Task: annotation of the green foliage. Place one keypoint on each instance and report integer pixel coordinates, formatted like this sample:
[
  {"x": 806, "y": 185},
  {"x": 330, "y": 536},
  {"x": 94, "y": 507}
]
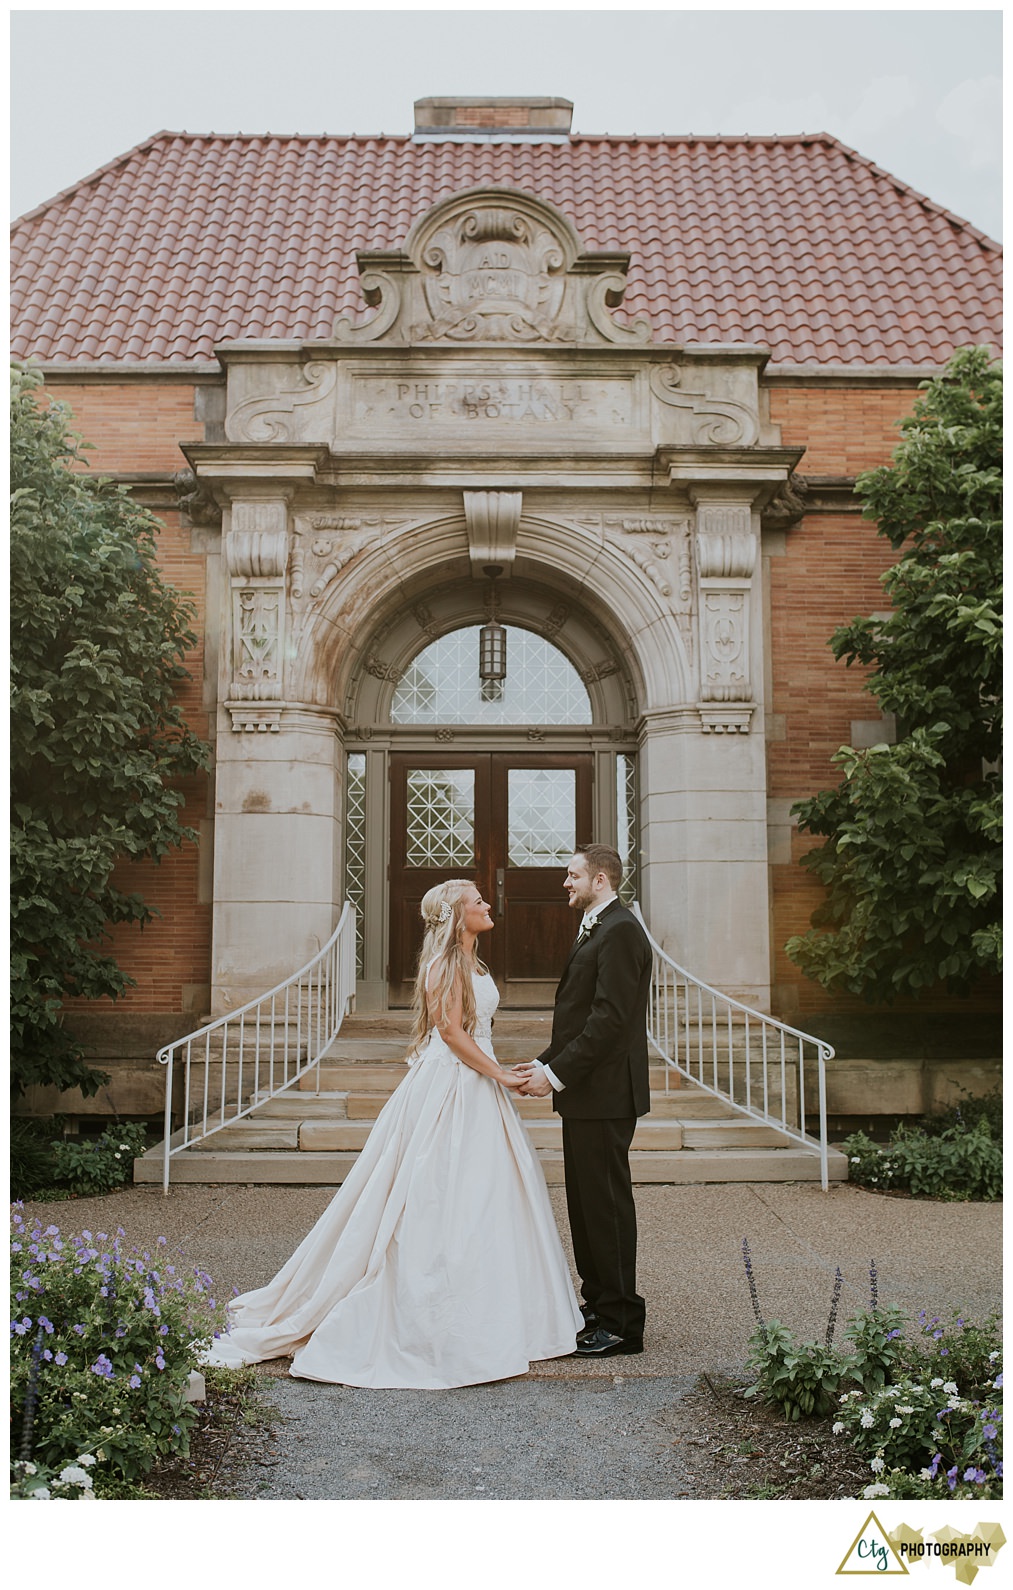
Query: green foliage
[
  {"x": 801, "y": 1378},
  {"x": 926, "y": 1409},
  {"x": 969, "y": 1110},
  {"x": 68, "y": 1482},
  {"x": 911, "y": 857},
  {"x": 31, "y": 1156},
  {"x": 97, "y": 736},
  {"x": 959, "y": 1349},
  {"x": 103, "y": 1344},
  {"x": 93, "y": 1165},
  {"x": 953, "y": 1164},
  {"x": 877, "y": 1336}
]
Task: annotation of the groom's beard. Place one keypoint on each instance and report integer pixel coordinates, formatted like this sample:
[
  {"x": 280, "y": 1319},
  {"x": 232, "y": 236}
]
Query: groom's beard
[{"x": 580, "y": 900}]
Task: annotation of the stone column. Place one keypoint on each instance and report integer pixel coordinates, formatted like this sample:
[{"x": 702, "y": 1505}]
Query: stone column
[
  {"x": 278, "y": 875},
  {"x": 704, "y": 812}
]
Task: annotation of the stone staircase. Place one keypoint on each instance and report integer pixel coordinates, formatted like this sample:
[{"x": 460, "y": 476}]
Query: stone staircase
[{"x": 305, "y": 1137}]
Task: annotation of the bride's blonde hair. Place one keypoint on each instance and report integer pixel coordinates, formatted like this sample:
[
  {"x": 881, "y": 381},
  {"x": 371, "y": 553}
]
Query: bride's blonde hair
[{"x": 443, "y": 915}]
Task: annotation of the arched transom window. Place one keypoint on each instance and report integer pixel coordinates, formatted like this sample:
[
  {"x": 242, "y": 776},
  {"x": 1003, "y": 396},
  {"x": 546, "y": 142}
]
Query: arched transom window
[{"x": 442, "y": 684}]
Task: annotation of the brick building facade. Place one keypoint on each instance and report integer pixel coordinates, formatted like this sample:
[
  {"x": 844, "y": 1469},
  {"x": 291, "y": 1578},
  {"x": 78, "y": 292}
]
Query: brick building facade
[{"x": 637, "y": 376}]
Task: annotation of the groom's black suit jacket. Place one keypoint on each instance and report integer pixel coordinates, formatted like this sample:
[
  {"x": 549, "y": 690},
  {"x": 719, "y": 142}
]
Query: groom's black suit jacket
[{"x": 598, "y": 1048}]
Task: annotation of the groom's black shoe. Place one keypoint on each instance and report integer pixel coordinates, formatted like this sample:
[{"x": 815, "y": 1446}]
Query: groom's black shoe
[
  {"x": 591, "y": 1321},
  {"x": 601, "y": 1343}
]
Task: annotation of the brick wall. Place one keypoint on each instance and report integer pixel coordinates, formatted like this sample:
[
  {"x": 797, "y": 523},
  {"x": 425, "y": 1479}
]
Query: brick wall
[
  {"x": 136, "y": 428},
  {"x": 830, "y": 573}
]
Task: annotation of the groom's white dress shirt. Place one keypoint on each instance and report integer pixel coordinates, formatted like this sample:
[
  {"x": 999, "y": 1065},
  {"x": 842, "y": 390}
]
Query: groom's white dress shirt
[{"x": 587, "y": 923}]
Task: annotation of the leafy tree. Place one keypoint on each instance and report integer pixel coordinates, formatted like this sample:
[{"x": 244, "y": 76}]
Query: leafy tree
[
  {"x": 96, "y": 734},
  {"x": 911, "y": 859}
]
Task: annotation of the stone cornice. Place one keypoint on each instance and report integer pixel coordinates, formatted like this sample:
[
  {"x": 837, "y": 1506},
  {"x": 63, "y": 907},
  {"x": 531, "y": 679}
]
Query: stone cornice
[{"x": 849, "y": 375}]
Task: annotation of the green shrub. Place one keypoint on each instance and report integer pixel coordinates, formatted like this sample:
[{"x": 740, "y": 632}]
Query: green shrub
[
  {"x": 99, "y": 1164},
  {"x": 103, "y": 1344},
  {"x": 31, "y": 1152},
  {"x": 956, "y": 1163},
  {"x": 926, "y": 1410}
]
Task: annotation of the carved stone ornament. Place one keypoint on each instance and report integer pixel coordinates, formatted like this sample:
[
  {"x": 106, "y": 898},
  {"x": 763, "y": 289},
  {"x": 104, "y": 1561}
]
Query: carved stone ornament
[
  {"x": 194, "y": 501},
  {"x": 492, "y": 265},
  {"x": 277, "y": 416},
  {"x": 716, "y": 422},
  {"x": 789, "y": 506},
  {"x": 255, "y": 720},
  {"x": 493, "y": 519}
]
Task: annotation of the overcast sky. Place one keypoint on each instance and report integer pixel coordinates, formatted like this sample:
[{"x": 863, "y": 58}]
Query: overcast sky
[{"x": 916, "y": 90}]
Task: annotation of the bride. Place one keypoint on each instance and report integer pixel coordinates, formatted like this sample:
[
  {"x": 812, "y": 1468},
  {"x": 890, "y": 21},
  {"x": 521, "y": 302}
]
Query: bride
[{"x": 438, "y": 1262}]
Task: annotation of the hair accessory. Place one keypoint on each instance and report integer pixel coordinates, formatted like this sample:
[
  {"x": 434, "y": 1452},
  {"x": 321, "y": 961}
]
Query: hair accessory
[{"x": 435, "y": 917}]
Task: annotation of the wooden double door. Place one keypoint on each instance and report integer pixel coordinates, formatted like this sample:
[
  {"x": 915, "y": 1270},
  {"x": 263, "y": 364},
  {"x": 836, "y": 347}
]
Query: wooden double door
[{"x": 510, "y": 823}]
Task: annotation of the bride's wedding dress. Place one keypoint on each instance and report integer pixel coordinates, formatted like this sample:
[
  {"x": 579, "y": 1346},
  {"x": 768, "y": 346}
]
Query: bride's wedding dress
[{"x": 438, "y": 1262}]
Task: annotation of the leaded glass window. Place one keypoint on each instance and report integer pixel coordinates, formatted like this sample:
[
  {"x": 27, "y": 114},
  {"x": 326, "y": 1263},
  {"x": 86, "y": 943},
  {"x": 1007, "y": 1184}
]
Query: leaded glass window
[
  {"x": 355, "y": 845},
  {"x": 442, "y": 684},
  {"x": 628, "y": 841},
  {"x": 541, "y": 802},
  {"x": 441, "y": 817}
]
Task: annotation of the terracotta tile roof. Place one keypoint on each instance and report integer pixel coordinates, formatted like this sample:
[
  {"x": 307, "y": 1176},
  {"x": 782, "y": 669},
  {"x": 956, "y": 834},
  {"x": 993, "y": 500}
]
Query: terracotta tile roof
[{"x": 795, "y": 243}]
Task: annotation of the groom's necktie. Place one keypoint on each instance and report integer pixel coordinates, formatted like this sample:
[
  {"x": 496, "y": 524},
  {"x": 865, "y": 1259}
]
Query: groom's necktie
[{"x": 585, "y": 931}]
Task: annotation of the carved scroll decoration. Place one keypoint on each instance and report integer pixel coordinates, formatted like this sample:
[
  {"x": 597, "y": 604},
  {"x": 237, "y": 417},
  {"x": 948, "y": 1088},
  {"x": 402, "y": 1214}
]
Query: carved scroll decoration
[
  {"x": 275, "y": 417},
  {"x": 716, "y": 422}
]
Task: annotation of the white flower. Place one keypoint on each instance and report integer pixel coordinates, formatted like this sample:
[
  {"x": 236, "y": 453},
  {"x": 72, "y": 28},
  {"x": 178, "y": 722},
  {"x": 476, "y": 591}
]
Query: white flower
[
  {"x": 935, "y": 1384},
  {"x": 29, "y": 1468},
  {"x": 903, "y": 1408},
  {"x": 875, "y": 1490},
  {"x": 867, "y": 1420},
  {"x": 116, "y": 1156},
  {"x": 877, "y": 1465},
  {"x": 924, "y": 1474},
  {"x": 838, "y": 1428},
  {"x": 952, "y": 1387},
  {"x": 855, "y": 1159},
  {"x": 86, "y": 1458},
  {"x": 72, "y": 1475},
  {"x": 41, "y": 1494},
  {"x": 124, "y": 1148},
  {"x": 993, "y": 1356},
  {"x": 895, "y": 1424}
]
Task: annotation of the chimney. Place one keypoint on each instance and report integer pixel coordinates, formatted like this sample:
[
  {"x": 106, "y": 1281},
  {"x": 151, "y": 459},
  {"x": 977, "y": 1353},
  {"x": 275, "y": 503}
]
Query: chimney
[{"x": 476, "y": 118}]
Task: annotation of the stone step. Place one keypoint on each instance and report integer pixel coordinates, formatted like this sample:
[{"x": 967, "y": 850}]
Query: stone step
[
  {"x": 650, "y": 1136},
  {"x": 680, "y": 1105},
  {"x": 329, "y": 1169},
  {"x": 382, "y": 1076},
  {"x": 328, "y": 1127}
]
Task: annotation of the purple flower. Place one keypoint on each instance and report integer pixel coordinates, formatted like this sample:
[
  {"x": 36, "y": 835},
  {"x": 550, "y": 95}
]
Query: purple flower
[
  {"x": 163, "y": 1330},
  {"x": 975, "y": 1475},
  {"x": 47, "y": 1325},
  {"x": 20, "y": 1326},
  {"x": 78, "y": 1330},
  {"x": 159, "y": 1360},
  {"x": 989, "y": 1431},
  {"x": 60, "y": 1358},
  {"x": 936, "y": 1336},
  {"x": 997, "y": 1382},
  {"x": 135, "y": 1381},
  {"x": 102, "y": 1367},
  {"x": 52, "y": 1231},
  {"x": 951, "y": 1477}
]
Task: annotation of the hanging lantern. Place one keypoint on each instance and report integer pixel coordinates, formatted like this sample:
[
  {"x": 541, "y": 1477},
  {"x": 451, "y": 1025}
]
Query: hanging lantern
[{"x": 492, "y": 646}]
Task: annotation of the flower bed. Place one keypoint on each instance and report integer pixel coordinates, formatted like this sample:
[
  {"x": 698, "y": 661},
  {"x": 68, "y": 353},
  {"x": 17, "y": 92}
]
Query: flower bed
[
  {"x": 922, "y": 1403},
  {"x": 104, "y": 1340}
]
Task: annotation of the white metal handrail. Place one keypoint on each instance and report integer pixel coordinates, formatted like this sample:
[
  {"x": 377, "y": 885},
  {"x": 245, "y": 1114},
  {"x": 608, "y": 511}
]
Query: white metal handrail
[
  {"x": 759, "y": 1065},
  {"x": 237, "y": 1062}
]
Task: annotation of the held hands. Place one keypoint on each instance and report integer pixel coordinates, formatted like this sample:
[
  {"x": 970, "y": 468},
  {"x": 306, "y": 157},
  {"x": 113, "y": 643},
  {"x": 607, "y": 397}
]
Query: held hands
[{"x": 533, "y": 1083}]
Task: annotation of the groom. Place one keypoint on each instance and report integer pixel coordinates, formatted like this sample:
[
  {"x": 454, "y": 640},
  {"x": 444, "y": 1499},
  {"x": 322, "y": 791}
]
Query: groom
[{"x": 596, "y": 1070}]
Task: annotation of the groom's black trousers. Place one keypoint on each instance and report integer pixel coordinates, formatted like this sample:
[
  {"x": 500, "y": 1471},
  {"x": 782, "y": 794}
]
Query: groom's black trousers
[{"x": 603, "y": 1220}]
